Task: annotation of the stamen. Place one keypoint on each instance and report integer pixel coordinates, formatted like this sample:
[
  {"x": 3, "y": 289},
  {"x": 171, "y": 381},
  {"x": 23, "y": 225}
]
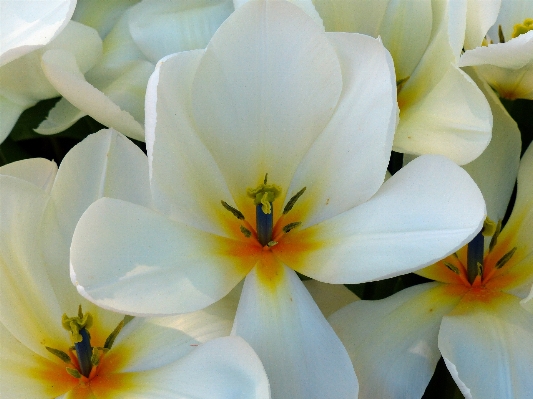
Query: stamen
[
  {"x": 291, "y": 226},
  {"x": 73, "y": 372},
  {"x": 522, "y": 28},
  {"x": 272, "y": 243},
  {"x": 489, "y": 227},
  {"x": 238, "y": 214},
  {"x": 451, "y": 267},
  {"x": 500, "y": 34},
  {"x": 494, "y": 238},
  {"x": 247, "y": 233},
  {"x": 60, "y": 354},
  {"x": 475, "y": 257},
  {"x": 505, "y": 258},
  {"x": 293, "y": 200},
  {"x": 77, "y": 326},
  {"x": 400, "y": 83},
  {"x": 111, "y": 338}
]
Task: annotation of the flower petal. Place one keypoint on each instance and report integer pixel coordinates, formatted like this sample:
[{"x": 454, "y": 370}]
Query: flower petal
[
  {"x": 25, "y": 374},
  {"x": 131, "y": 259},
  {"x": 224, "y": 368},
  {"x": 148, "y": 343},
  {"x": 480, "y": 16},
  {"x": 352, "y": 153},
  {"x": 26, "y": 26},
  {"x": 264, "y": 90},
  {"x": 63, "y": 73},
  {"x": 302, "y": 355},
  {"x": 28, "y": 306},
  {"x": 101, "y": 15},
  {"x": 38, "y": 171},
  {"x": 495, "y": 335},
  {"x": 105, "y": 164},
  {"x": 10, "y": 112},
  {"x": 427, "y": 210},
  {"x": 62, "y": 116},
  {"x": 496, "y": 169},
  {"x": 160, "y": 27},
  {"x": 329, "y": 297},
  {"x": 453, "y": 119},
  {"x": 393, "y": 342},
  {"x": 186, "y": 182}
]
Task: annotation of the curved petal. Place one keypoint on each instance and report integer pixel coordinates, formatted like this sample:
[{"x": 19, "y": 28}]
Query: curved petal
[
  {"x": 38, "y": 171},
  {"x": 25, "y": 374},
  {"x": 105, "y": 164},
  {"x": 393, "y": 342},
  {"x": 63, "y": 73},
  {"x": 306, "y": 5},
  {"x": 302, "y": 355},
  {"x": 347, "y": 162},
  {"x": 329, "y": 297},
  {"x": 128, "y": 258},
  {"x": 28, "y": 307},
  {"x": 509, "y": 83},
  {"x": 62, "y": 116},
  {"x": 527, "y": 303},
  {"x": 224, "y": 368},
  {"x": 10, "y": 112},
  {"x": 453, "y": 119},
  {"x": 495, "y": 170},
  {"x": 186, "y": 182},
  {"x": 495, "y": 335},
  {"x": 427, "y": 210},
  {"x": 480, "y": 16},
  {"x": 511, "y": 13},
  {"x": 101, "y": 15},
  {"x": 160, "y": 27},
  {"x": 26, "y": 26},
  {"x": 265, "y": 88}
]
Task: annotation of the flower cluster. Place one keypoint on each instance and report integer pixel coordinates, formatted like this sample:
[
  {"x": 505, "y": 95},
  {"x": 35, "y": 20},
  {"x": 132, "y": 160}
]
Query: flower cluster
[{"x": 266, "y": 199}]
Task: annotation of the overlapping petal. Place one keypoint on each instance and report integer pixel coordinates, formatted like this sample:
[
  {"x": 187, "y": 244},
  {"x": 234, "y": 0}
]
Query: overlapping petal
[
  {"x": 480, "y": 16},
  {"x": 329, "y": 297},
  {"x": 153, "y": 257},
  {"x": 264, "y": 90},
  {"x": 38, "y": 171},
  {"x": 26, "y": 26},
  {"x": 393, "y": 342},
  {"x": 360, "y": 133},
  {"x": 490, "y": 335},
  {"x": 302, "y": 355},
  {"x": 418, "y": 216}
]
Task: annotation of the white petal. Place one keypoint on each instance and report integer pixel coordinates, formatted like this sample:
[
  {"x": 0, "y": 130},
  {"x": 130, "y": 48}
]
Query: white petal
[
  {"x": 62, "y": 116},
  {"x": 160, "y": 27},
  {"x": 427, "y": 210},
  {"x": 496, "y": 169},
  {"x": 302, "y": 355},
  {"x": 480, "y": 16},
  {"x": 347, "y": 162},
  {"x": 101, "y": 15},
  {"x": 393, "y": 342},
  {"x": 24, "y": 374},
  {"x": 224, "y": 368},
  {"x": 28, "y": 25},
  {"x": 131, "y": 259},
  {"x": 154, "y": 342},
  {"x": 513, "y": 54},
  {"x": 264, "y": 90},
  {"x": 454, "y": 119},
  {"x": 186, "y": 182},
  {"x": 494, "y": 335},
  {"x": 38, "y": 171},
  {"x": 511, "y": 13},
  {"x": 28, "y": 306},
  {"x": 527, "y": 303},
  {"x": 10, "y": 112},
  {"x": 329, "y": 297},
  {"x": 62, "y": 71},
  {"x": 105, "y": 164}
]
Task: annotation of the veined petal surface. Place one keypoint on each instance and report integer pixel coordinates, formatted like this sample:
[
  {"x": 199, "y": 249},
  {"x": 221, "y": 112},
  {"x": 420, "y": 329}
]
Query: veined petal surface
[
  {"x": 28, "y": 25},
  {"x": 359, "y": 133},
  {"x": 131, "y": 259},
  {"x": 393, "y": 342},
  {"x": 427, "y": 210},
  {"x": 302, "y": 355},
  {"x": 491, "y": 334},
  {"x": 265, "y": 88},
  {"x": 186, "y": 183}
]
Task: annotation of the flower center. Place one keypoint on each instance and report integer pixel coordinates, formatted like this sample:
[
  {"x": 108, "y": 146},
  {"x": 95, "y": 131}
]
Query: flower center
[
  {"x": 263, "y": 197},
  {"x": 478, "y": 271},
  {"x": 82, "y": 358}
]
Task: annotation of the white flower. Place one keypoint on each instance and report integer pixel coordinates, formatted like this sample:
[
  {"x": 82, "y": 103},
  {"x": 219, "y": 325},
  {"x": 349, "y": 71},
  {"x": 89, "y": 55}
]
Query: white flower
[
  {"x": 148, "y": 357},
  {"x": 505, "y": 60},
  {"x": 113, "y": 91},
  {"x": 273, "y": 94}
]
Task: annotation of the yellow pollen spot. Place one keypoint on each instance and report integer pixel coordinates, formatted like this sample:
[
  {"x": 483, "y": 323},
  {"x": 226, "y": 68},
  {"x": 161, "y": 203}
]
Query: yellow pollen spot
[
  {"x": 75, "y": 324},
  {"x": 522, "y": 28},
  {"x": 264, "y": 194}
]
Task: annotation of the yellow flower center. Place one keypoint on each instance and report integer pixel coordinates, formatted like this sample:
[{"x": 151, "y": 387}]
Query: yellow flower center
[{"x": 523, "y": 27}]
